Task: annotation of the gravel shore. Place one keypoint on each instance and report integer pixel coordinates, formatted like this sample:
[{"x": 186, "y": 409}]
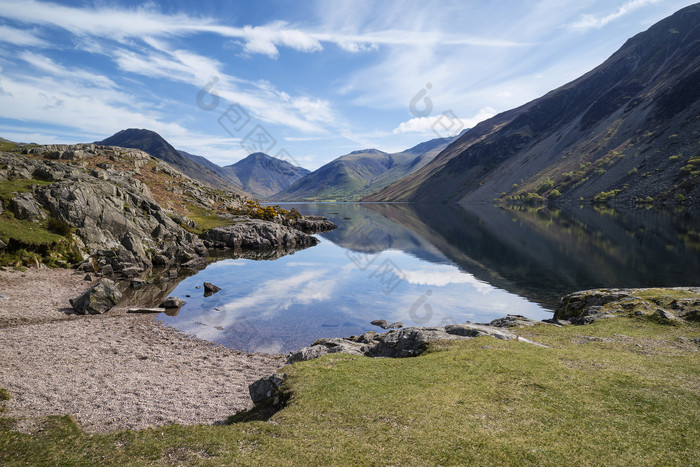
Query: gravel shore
[{"x": 114, "y": 371}]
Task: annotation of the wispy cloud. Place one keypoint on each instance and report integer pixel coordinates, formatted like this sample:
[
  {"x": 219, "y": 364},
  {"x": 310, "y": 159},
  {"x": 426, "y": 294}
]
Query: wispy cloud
[
  {"x": 21, "y": 37},
  {"x": 122, "y": 23},
  {"x": 586, "y": 21}
]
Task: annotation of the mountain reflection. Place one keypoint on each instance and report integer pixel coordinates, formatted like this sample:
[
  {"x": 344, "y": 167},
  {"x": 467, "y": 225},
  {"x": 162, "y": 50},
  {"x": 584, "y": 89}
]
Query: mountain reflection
[{"x": 537, "y": 253}]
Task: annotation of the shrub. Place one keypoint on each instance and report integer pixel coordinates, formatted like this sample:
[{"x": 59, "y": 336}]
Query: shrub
[
  {"x": 59, "y": 227},
  {"x": 544, "y": 186}
]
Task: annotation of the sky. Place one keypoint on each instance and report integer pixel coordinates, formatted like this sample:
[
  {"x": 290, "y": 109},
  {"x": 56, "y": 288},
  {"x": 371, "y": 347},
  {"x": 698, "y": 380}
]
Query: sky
[{"x": 305, "y": 81}]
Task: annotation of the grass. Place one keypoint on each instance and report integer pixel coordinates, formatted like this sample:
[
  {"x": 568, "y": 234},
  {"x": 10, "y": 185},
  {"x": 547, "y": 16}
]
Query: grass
[
  {"x": 26, "y": 232},
  {"x": 621, "y": 391},
  {"x": 46, "y": 241},
  {"x": 205, "y": 219},
  {"x": 18, "y": 186}
]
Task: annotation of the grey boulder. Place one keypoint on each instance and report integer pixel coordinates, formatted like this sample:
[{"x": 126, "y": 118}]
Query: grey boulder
[
  {"x": 99, "y": 299},
  {"x": 325, "y": 346},
  {"x": 266, "y": 388}
]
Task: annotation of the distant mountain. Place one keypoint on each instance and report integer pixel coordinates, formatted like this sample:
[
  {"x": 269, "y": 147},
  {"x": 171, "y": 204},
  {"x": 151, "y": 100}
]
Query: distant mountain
[
  {"x": 359, "y": 173},
  {"x": 626, "y": 131},
  {"x": 152, "y": 143},
  {"x": 217, "y": 169},
  {"x": 263, "y": 175}
]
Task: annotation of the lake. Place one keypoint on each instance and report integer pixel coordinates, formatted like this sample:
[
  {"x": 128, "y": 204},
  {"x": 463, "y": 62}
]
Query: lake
[{"x": 434, "y": 265}]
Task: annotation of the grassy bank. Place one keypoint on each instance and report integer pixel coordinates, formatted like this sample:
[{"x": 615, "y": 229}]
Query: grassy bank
[{"x": 618, "y": 392}]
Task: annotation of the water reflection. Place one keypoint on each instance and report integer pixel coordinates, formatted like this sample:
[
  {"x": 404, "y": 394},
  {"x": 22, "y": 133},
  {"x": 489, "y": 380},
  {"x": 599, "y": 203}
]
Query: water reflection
[{"x": 430, "y": 265}]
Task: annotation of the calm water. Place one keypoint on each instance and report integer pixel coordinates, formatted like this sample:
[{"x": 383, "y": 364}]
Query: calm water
[{"x": 433, "y": 265}]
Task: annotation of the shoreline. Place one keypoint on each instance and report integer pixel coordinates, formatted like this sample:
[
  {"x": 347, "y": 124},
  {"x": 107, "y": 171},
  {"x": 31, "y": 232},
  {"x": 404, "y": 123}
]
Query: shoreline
[{"x": 113, "y": 371}]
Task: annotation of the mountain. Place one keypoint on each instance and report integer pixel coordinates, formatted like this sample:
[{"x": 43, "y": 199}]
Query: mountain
[
  {"x": 263, "y": 175},
  {"x": 359, "y": 173},
  {"x": 217, "y": 169},
  {"x": 625, "y": 131},
  {"x": 152, "y": 143}
]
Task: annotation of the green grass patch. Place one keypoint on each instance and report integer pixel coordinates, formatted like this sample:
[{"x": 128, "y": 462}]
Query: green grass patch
[
  {"x": 26, "y": 231},
  {"x": 8, "y": 187},
  {"x": 618, "y": 392},
  {"x": 205, "y": 219}
]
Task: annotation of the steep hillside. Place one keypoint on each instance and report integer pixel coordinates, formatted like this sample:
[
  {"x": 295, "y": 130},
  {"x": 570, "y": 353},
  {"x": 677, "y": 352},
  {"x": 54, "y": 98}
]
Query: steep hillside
[
  {"x": 625, "y": 132},
  {"x": 263, "y": 175},
  {"x": 359, "y": 173},
  {"x": 152, "y": 143}
]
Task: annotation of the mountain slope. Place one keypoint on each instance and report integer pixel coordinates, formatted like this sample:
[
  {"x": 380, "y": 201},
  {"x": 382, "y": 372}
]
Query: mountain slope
[
  {"x": 152, "y": 143},
  {"x": 263, "y": 175},
  {"x": 625, "y": 131},
  {"x": 359, "y": 173}
]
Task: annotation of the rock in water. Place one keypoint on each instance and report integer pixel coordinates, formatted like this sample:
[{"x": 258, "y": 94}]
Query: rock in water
[
  {"x": 210, "y": 289},
  {"x": 257, "y": 234},
  {"x": 172, "y": 302},
  {"x": 99, "y": 299},
  {"x": 382, "y": 323}
]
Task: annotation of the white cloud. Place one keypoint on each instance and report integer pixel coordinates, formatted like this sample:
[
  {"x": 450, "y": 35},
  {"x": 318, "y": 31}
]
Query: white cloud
[
  {"x": 591, "y": 21},
  {"x": 265, "y": 39},
  {"x": 442, "y": 276},
  {"x": 49, "y": 66},
  {"x": 121, "y": 24},
  {"x": 278, "y": 295},
  {"x": 432, "y": 124},
  {"x": 21, "y": 37}
]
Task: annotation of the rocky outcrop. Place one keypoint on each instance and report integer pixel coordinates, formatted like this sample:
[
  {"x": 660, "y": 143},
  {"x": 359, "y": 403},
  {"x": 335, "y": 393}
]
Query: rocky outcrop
[
  {"x": 99, "y": 299},
  {"x": 118, "y": 223},
  {"x": 401, "y": 343},
  {"x": 257, "y": 234},
  {"x": 106, "y": 196},
  {"x": 311, "y": 224},
  {"x": 664, "y": 305},
  {"x": 382, "y": 323},
  {"x": 511, "y": 321}
]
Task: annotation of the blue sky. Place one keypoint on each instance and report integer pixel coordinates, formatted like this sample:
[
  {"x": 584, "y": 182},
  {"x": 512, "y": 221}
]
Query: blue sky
[{"x": 307, "y": 81}]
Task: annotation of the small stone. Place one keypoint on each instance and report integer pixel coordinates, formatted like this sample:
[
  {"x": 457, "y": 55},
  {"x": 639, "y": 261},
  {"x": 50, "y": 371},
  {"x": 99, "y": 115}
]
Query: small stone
[
  {"x": 172, "y": 302},
  {"x": 210, "y": 289},
  {"x": 665, "y": 315},
  {"x": 137, "y": 284},
  {"x": 382, "y": 323},
  {"x": 107, "y": 270},
  {"x": 87, "y": 277}
]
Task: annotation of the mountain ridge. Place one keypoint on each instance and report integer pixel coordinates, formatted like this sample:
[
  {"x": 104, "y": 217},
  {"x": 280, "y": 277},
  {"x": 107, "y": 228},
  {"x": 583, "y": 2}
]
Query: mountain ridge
[
  {"x": 264, "y": 175},
  {"x": 600, "y": 137},
  {"x": 151, "y": 142},
  {"x": 353, "y": 175}
]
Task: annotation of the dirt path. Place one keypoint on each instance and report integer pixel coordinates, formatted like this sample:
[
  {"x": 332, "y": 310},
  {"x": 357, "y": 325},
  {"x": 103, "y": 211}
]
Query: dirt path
[{"x": 114, "y": 371}]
